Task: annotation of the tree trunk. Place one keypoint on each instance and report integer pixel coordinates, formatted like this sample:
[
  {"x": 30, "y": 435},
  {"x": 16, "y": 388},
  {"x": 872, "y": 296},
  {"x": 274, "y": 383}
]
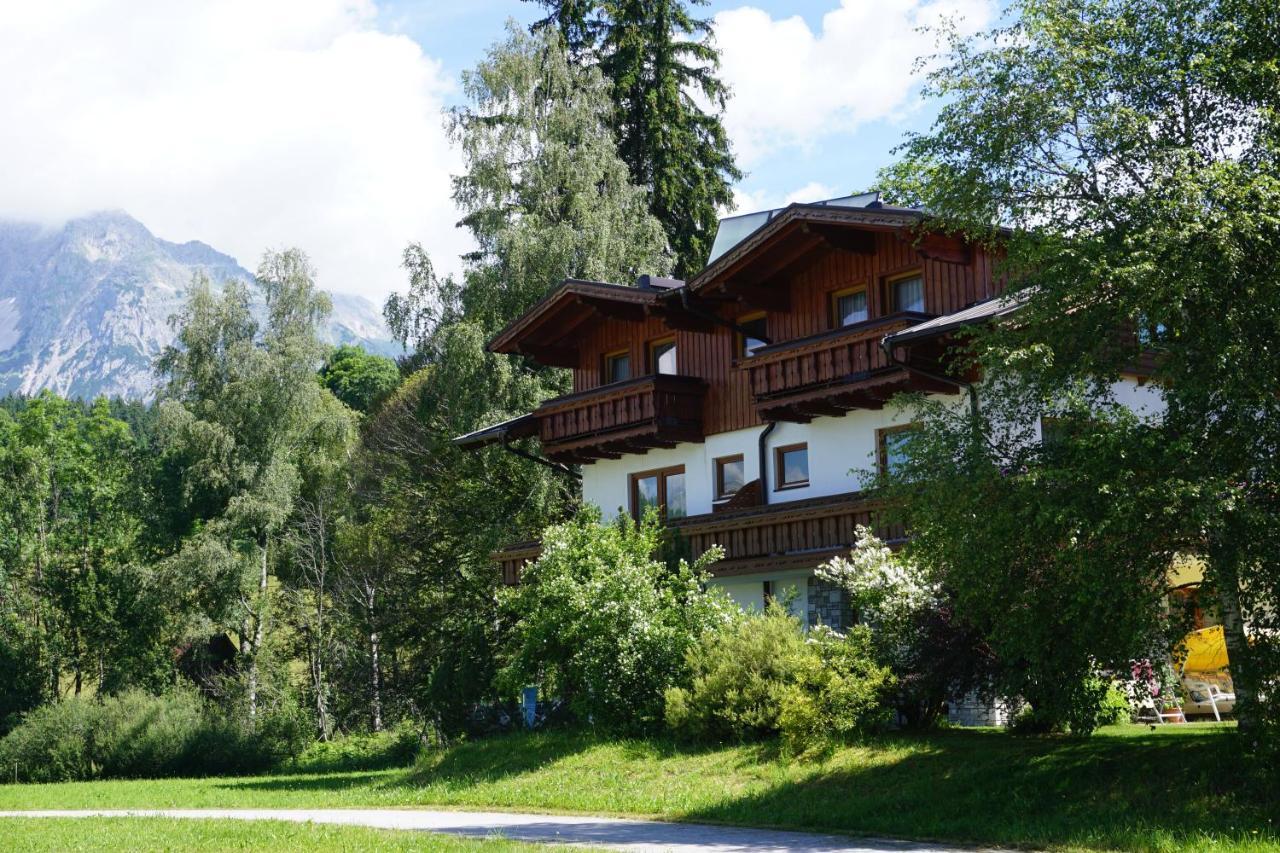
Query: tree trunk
[
  {"x": 375, "y": 682},
  {"x": 1246, "y": 712}
]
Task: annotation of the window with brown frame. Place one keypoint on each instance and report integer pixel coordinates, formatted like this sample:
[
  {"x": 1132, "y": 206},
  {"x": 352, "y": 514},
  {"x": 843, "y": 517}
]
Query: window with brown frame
[
  {"x": 730, "y": 474},
  {"x": 848, "y": 307},
  {"x": 662, "y": 488},
  {"x": 617, "y": 366},
  {"x": 755, "y": 328},
  {"x": 890, "y": 447},
  {"x": 791, "y": 466},
  {"x": 662, "y": 356},
  {"x": 906, "y": 292}
]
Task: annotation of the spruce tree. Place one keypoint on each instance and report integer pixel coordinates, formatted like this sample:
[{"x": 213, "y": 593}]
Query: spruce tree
[{"x": 658, "y": 59}]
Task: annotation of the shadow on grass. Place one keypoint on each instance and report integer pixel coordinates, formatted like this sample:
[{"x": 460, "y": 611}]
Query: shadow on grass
[
  {"x": 496, "y": 758},
  {"x": 993, "y": 787},
  {"x": 326, "y": 782}
]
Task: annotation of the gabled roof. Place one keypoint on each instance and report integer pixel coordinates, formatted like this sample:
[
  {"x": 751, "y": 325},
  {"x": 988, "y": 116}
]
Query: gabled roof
[
  {"x": 540, "y": 330},
  {"x": 839, "y": 214}
]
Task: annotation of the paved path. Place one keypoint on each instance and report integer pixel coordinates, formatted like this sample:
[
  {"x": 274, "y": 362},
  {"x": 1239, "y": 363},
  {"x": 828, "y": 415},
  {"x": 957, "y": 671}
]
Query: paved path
[{"x": 641, "y": 836}]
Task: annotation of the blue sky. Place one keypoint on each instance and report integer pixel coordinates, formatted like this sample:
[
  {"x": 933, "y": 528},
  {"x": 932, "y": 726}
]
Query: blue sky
[
  {"x": 255, "y": 124},
  {"x": 846, "y": 161}
]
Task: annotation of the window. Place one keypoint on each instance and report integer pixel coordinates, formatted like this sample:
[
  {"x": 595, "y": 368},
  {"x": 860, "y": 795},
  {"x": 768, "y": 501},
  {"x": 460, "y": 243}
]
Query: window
[
  {"x": 662, "y": 356},
  {"x": 848, "y": 307},
  {"x": 729, "y": 476},
  {"x": 907, "y": 293},
  {"x": 663, "y": 489},
  {"x": 755, "y": 330},
  {"x": 617, "y": 366},
  {"x": 791, "y": 466},
  {"x": 891, "y": 447}
]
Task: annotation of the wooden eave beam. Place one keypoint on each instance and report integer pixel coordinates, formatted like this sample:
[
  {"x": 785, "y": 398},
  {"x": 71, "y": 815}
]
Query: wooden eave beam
[
  {"x": 629, "y": 311},
  {"x": 762, "y": 295},
  {"x": 549, "y": 355},
  {"x": 857, "y": 241}
]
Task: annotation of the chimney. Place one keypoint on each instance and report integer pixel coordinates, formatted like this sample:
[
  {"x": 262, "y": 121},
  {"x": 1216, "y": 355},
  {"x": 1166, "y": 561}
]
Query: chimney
[{"x": 657, "y": 282}]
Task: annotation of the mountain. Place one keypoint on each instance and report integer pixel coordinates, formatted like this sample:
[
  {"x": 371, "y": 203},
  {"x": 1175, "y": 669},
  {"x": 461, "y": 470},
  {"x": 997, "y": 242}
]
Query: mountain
[{"x": 84, "y": 309}]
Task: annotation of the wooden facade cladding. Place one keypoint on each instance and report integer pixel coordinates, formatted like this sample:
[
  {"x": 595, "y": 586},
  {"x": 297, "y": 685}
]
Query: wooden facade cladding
[
  {"x": 625, "y": 417},
  {"x": 951, "y": 282},
  {"x": 793, "y": 535}
]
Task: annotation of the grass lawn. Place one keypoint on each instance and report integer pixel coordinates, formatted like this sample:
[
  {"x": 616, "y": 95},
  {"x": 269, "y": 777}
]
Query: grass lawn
[
  {"x": 148, "y": 833},
  {"x": 1180, "y": 787}
]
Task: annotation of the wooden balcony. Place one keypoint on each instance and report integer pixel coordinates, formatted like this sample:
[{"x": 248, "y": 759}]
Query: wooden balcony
[
  {"x": 777, "y": 537},
  {"x": 623, "y": 417},
  {"x": 832, "y": 372}
]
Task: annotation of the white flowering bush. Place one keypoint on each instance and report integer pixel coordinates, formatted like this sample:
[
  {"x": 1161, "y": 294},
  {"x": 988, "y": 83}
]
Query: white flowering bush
[
  {"x": 601, "y": 622},
  {"x": 887, "y": 591},
  {"x": 913, "y": 633}
]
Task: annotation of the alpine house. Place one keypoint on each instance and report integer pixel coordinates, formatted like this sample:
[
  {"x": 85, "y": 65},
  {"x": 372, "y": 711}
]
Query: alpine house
[{"x": 749, "y": 403}]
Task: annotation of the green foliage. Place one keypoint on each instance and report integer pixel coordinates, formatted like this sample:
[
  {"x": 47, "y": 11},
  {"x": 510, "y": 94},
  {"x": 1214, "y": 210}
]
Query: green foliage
[
  {"x": 1055, "y": 569},
  {"x": 600, "y": 621},
  {"x": 249, "y": 429},
  {"x": 360, "y": 379},
  {"x": 1134, "y": 150},
  {"x": 394, "y": 747},
  {"x": 138, "y": 735},
  {"x": 545, "y": 198},
  {"x": 759, "y": 675},
  {"x": 661, "y": 66}
]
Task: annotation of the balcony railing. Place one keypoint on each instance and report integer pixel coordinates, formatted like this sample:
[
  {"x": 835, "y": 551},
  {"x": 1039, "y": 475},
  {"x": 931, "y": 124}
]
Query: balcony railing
[
  {"x": 828, "y": 373},
  {"x": 623, "y": 417},
  {"x": 791, "y": 535}
]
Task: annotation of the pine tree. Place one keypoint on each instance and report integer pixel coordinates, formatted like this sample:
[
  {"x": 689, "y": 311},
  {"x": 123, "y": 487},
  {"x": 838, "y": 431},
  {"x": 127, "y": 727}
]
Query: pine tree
[{"x": 659, "y": 59}]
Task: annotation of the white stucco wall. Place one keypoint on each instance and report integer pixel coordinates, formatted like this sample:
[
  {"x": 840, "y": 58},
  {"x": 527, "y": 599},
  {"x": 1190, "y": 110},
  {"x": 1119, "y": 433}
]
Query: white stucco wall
[
  {"x": 748, "y": 591},
  {"x": 841, "y": 451}
]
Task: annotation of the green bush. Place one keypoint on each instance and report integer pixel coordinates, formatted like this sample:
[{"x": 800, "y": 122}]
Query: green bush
[
  {"x": 395, "y": 747},
  {"x": 138, "y": 735},
  {"x": 1115, "y": 706},
  {"x": 604, "y": 624},
  {"x": 759, "y": 675}
]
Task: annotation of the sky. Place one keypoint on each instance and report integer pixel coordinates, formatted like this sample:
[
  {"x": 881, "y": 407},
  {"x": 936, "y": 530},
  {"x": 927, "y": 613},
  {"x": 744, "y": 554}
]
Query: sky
[{"x": 255, "y": 124}]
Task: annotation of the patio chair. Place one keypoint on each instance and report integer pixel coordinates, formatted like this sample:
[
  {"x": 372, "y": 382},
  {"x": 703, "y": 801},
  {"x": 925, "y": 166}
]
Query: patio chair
[{"x": 1216, "y": 695}]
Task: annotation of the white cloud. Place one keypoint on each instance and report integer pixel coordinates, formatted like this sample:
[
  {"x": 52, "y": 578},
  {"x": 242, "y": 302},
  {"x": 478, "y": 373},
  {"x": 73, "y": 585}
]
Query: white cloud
[
  {"x": 246, "y": 124},
  {"x": 750, "y": 202},
  {"x": 792, "y": 86}
]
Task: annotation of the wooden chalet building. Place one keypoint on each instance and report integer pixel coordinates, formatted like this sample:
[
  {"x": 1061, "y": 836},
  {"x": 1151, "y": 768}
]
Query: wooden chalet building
[{"x": 749, "y": 401}]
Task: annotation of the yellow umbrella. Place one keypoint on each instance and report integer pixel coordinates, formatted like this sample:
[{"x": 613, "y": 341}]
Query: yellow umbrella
[{"x": 1204, "y": 650}]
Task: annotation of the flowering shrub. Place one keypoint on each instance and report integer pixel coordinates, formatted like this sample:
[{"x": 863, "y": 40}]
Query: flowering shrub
[
  {"x": 912, "y": 628},
  {"x": 602, "y": 623}
]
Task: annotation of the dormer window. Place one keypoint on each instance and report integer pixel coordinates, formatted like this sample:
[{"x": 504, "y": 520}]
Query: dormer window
[
  {"x": 907, "y": 293},
  {"x": 753, "y": 329},
  {"x": 617, "y": 366},
  {"x": 849, "y": 307}
]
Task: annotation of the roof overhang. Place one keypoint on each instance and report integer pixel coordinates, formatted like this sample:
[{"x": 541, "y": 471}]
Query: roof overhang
[
  {"x": 796, "y": 232},
  {"x": 518, "y": 427},
  {"x": 982, "y": 312},
  {"x": 549, "y": 330}
]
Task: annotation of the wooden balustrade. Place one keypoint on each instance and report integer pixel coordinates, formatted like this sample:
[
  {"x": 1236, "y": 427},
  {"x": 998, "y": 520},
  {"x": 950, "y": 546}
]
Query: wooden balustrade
[
  {"x": 828, "y": 373},
  {"x": 792, "y": 535},
  {"x": 624, "y": 417}
]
